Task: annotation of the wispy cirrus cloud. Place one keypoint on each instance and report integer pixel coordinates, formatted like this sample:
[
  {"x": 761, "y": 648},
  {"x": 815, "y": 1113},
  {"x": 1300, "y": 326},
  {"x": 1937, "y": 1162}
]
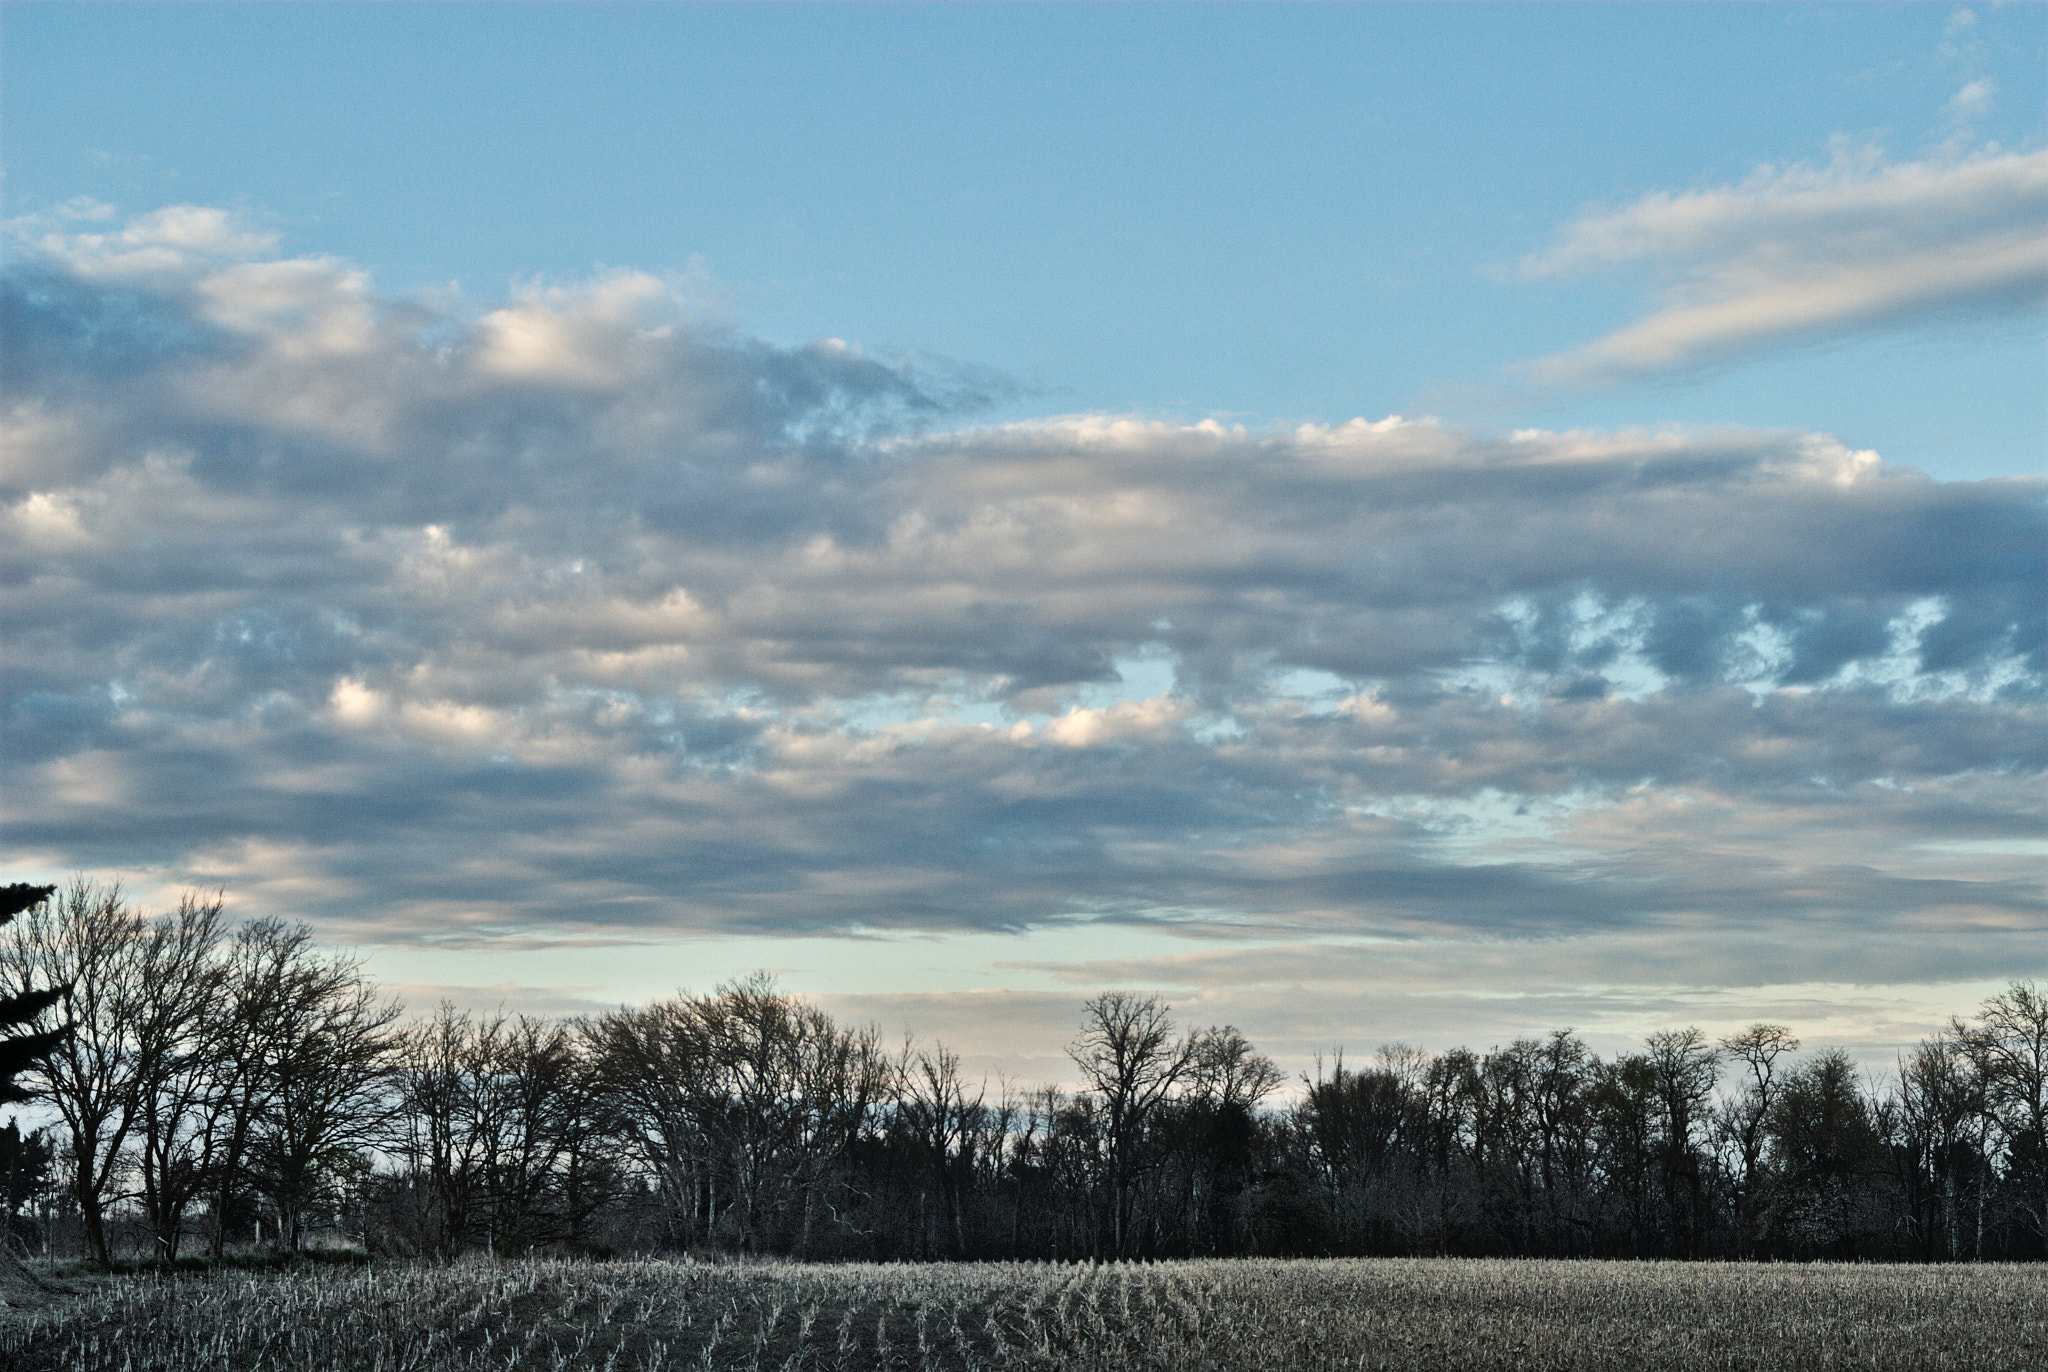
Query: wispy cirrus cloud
[{"x": 1803, "y": 252}]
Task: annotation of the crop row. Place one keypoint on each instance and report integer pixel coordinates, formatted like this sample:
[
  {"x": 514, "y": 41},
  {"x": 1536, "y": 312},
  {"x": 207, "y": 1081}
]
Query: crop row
[{"x": 1173, "y": 1317}]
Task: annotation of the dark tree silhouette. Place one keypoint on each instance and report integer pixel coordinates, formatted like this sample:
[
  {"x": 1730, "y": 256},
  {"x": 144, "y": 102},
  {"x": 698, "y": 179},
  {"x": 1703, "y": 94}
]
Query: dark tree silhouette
[
  {"x": 21, "y": 1046},
  {"x": 225, "y": 1079},
  {"x": 1128, "y": 1053}
]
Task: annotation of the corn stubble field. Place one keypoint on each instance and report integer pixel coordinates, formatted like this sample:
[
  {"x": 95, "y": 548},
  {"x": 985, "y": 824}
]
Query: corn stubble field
[{"x": 1340, "y": 1313}]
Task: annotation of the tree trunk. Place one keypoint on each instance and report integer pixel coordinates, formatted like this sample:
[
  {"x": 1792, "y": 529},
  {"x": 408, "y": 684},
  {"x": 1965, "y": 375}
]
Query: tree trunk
[
  {"x": 95, "y": 1220},
  {"x": 7, "y": 1197}
]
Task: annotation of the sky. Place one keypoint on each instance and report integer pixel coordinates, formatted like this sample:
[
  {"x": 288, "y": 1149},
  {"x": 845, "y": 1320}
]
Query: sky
[{"x": 1422, "y": 522}]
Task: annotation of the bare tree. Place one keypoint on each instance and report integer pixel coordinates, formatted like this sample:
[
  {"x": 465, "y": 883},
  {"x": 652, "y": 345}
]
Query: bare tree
[
  {"x": 743, "y": 1102},
  {"x": 1745, "y": 1118},
  {"x": 1685, "y": 1069},
  {"x": 751, "y": 1104},
  {"x": 1939, "y": 1125},
  {"x": 1829, "y": 1160},
  {"x": 1564, "y": 1073},
  {"x": 1128, "y": 1053},
  {"x": 1218, "y": 1130},
  {"x": 323, "y": 1080},
  {"x": 88, "y": 941},
  {"x": 530, "y": 1132},
  {"x": 945, "y": 1121},
  {"x": 2009, "y": 1042},
  {"x": 846, "y": 1076},
  {"x": 261, "y": 976},
  {"x": 651, "y": 1065},
  {"x": 175, "y": 1036},
  {"x": 433, "y": 1066},
  {"x": 483, "y": 1118},
  {"x": 1223, "y": 1067}
]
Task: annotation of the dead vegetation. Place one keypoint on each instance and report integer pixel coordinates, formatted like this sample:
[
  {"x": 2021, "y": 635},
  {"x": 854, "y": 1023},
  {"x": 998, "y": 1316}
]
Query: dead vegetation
[{"x": 1173, "y": 1316}]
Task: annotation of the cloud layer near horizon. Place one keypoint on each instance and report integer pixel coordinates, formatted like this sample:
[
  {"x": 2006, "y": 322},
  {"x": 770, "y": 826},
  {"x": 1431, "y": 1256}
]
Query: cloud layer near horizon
[{"x": 571, "y": 618}]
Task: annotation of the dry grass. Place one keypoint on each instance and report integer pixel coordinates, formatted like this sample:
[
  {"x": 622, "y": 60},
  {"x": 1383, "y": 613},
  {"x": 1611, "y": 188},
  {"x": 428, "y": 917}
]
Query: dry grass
[{"x": 1167, "y": 1316}]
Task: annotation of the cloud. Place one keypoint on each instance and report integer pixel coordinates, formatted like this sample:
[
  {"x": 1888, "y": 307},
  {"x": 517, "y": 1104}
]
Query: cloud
[
  {"x": 570, "y": 618},
  {"x": 1804, "y": 252},
  {"x": 1308, "y": 1002},
  {"x": 1972, "y": 102}
]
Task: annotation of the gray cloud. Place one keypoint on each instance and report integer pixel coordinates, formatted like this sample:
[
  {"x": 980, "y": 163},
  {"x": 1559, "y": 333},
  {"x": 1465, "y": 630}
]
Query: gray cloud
[{"x": 569, "y": 618}]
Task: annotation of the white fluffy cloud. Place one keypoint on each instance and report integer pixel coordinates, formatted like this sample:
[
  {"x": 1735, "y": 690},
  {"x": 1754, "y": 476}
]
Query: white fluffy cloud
[
  {"x": 570, "y": 618},
  {"x": 1803, "y": 251}
]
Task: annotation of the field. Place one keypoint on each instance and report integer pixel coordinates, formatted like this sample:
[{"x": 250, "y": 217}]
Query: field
[{"x": 1423, "y": 1314}]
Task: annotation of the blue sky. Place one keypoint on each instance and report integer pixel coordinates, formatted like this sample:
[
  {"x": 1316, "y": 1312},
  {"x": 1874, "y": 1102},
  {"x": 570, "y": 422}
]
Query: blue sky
[
  {"x": 582, "y": 499},
  {"x": 1261, "y": 212}
]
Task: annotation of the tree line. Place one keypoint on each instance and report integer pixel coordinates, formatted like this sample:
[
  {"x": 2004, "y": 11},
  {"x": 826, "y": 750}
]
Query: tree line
[{"x": 214, "y": 1086}]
